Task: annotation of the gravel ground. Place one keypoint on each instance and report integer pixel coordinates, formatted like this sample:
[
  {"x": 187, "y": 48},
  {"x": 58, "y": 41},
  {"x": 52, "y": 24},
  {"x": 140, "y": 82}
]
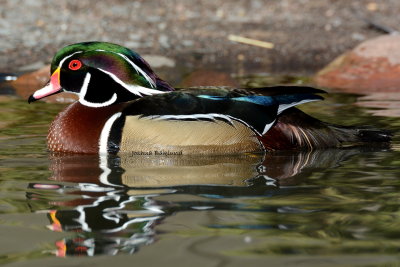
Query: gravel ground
[{"x": 190, "y": 34}]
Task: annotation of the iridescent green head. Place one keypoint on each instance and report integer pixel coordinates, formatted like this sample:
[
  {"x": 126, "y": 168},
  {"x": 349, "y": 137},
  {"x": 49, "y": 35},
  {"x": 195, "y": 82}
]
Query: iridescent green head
[{"x": 101, "y": 74}]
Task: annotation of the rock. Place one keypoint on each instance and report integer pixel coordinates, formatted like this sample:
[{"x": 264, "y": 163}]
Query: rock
[
  {"x": 373, "y": 66},
  {"x": 28, "y": 83}
]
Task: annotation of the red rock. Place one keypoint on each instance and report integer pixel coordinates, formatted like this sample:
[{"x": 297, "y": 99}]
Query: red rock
[
  {"x": 28, "y": 83},
  {"x": 373, "y": 66}
]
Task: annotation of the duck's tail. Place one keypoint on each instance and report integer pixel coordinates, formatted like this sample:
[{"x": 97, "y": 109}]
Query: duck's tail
[
  {"x": 360, "y": 134},
  {"x": 296, "y": 130}
]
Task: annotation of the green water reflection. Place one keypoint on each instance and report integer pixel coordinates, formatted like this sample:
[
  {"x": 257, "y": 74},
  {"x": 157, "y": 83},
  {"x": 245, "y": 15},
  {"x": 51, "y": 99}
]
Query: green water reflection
[{"x": 332, "y": 207}]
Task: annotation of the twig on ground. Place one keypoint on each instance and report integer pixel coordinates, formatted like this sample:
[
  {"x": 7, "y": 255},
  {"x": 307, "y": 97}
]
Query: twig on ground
[{"x": 244, "y": 40}]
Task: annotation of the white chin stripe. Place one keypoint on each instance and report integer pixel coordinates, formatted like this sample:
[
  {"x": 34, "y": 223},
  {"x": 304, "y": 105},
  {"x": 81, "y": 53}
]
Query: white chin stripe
[
  {"x": 83, "y": 92},
  {"x": 105, "y": 133},
  {"x": 67, "y": 57}
]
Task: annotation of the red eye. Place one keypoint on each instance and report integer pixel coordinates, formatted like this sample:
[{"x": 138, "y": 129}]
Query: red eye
[{"x": 75, "y": 64}]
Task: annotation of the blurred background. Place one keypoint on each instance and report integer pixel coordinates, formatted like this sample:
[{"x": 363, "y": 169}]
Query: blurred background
[{"x": 186, "y": 35}]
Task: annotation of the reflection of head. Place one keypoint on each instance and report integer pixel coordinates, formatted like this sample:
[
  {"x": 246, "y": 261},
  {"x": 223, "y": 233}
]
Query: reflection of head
[{"x": 105, "y": 215}]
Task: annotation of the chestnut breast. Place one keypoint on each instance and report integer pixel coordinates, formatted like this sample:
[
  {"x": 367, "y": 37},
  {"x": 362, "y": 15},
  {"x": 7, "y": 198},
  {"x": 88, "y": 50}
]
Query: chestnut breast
[{"x": 77, "y": 128}]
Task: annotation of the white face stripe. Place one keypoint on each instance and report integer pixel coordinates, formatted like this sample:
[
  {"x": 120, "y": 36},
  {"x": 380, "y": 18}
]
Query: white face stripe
[
  {"x": 139, "y": 70},
  {"x": 67, "y": 57},
  {"x": 105, "y": 133},
  {"x": 134, "y": 89},
  {"x": 83, "y": 92}
]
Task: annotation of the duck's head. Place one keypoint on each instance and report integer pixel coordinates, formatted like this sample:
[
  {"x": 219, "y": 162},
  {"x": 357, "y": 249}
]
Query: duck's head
[{"x": 101, "y": 74}]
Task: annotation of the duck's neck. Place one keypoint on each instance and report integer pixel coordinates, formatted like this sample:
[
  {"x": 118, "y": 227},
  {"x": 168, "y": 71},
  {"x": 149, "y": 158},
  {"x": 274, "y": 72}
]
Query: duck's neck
[{"x": 77, "y": 128}]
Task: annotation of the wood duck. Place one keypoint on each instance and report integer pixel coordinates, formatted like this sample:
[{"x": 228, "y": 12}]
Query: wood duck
[{"x": 124, "y": 106}]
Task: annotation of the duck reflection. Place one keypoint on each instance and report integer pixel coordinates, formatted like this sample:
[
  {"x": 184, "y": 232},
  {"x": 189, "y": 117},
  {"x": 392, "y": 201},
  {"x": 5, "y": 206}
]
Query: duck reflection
[{"x": 112, "y": 203}]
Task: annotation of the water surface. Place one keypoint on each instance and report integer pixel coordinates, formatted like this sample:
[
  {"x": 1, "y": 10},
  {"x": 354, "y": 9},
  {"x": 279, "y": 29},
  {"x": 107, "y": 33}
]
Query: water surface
[{"x": 321, "y": 208}]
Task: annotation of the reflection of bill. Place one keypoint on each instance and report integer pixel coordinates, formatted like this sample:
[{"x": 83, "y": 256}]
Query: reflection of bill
[{"x": 117, "y": 204}]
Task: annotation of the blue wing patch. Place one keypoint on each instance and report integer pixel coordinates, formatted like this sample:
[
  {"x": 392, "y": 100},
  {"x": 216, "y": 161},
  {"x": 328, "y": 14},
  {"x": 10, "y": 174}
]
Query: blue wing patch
[
  {"x": 270, "y": 100},
  {"x": 255, "y": 99}
]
